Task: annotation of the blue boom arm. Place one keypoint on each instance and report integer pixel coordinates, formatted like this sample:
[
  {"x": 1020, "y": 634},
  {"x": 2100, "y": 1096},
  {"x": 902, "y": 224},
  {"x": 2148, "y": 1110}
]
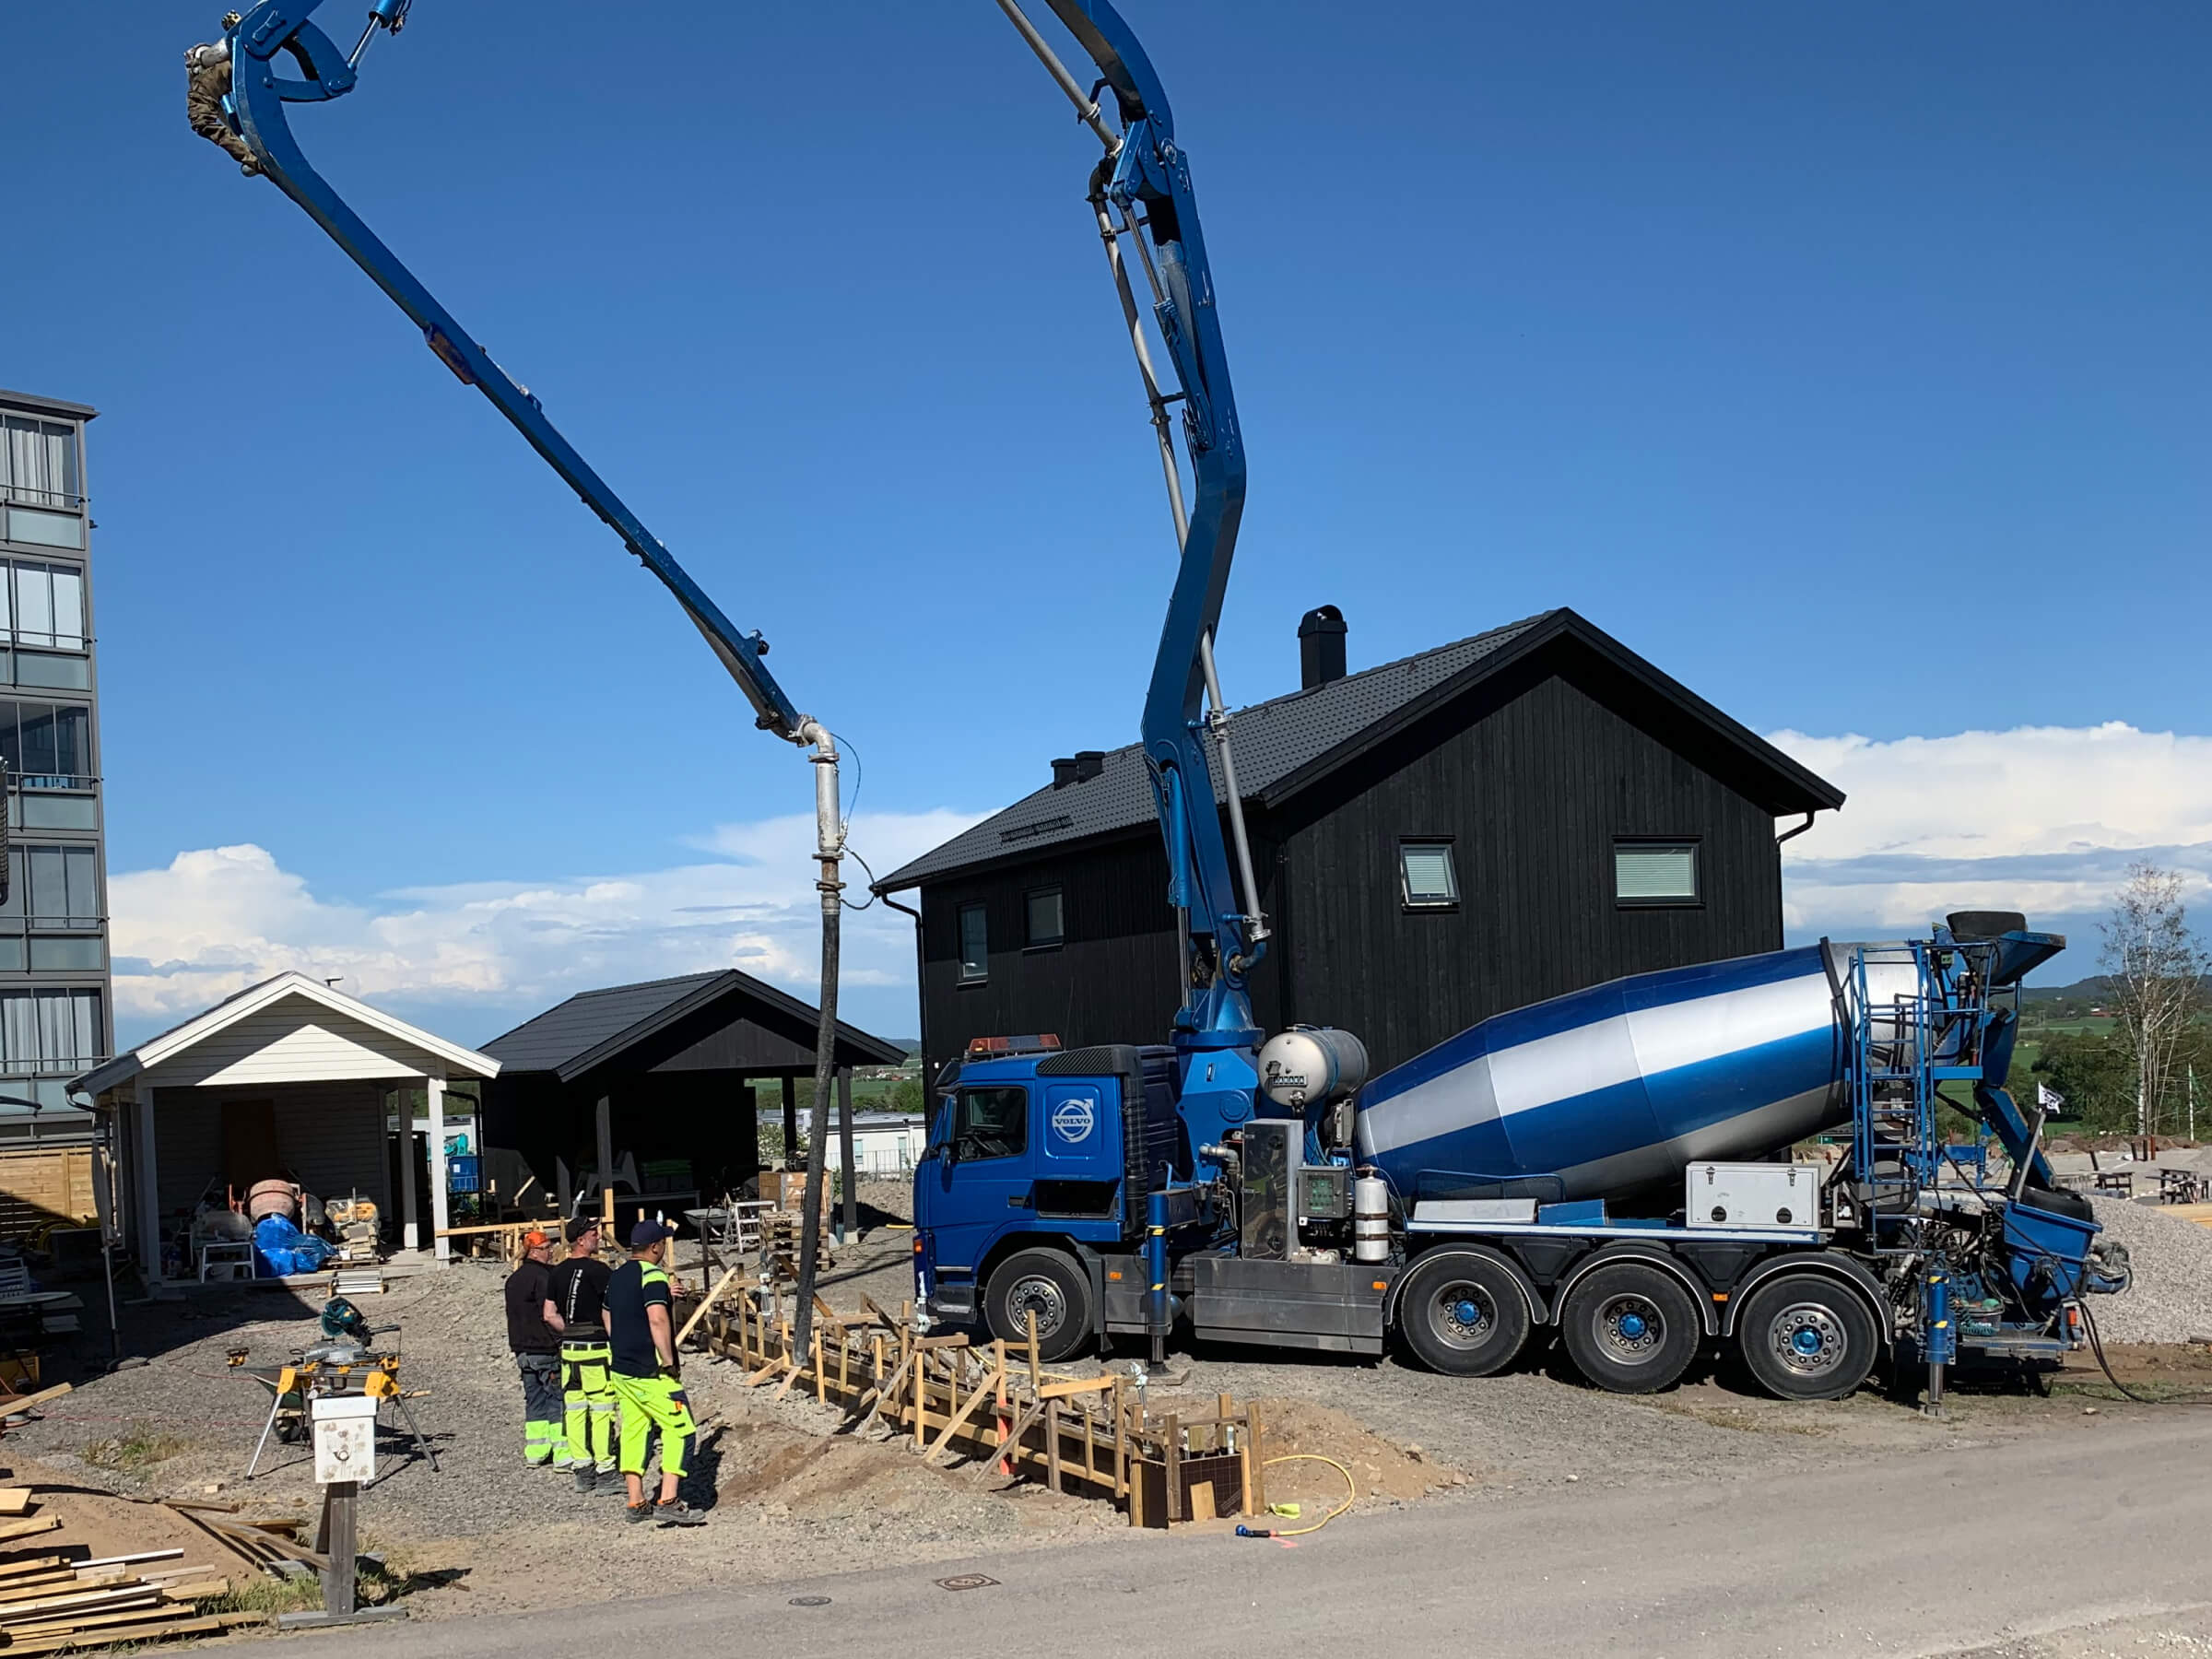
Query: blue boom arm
[
  {"x": 279, "y": 31},
  {"x": 1146, "y": 181}
]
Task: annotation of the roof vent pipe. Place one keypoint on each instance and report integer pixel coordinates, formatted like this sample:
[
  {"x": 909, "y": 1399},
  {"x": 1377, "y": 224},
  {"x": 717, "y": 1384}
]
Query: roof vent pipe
[{"x": 1320, "y": 647}]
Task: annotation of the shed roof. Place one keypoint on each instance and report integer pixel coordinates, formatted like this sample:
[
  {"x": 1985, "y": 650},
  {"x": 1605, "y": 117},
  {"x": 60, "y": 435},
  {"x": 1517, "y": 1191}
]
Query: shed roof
[
  {"x": 1288, "y": 742},
  {"x": 260, "y": 998},
  {"x": 593, "y": 1026},
  {"x": 34, "y": 404}
]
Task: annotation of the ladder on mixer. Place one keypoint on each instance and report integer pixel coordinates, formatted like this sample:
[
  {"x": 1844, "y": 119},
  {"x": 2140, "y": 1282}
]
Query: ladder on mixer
[{"x": 1902, "y": 1048}]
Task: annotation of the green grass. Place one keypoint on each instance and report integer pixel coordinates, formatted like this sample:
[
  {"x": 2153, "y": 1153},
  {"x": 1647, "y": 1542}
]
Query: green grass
[
  {"x": 261, "y": 1594},
  {"x": 140, "y": 1446}
]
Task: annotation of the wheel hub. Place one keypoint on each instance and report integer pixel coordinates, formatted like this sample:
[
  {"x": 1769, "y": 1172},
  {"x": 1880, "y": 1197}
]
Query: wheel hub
[
  {"x": 1808, "y": 1339},
  {"x": 1465, "y": 1317},
  {"x": 1039, "y": 1296},
  {"x": 1630, "y": 1329}
]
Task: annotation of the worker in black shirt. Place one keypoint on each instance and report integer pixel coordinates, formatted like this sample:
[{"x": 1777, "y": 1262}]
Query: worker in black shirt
[
  {"x": 587, "y": 1390},
  {"x": 643, "y": 1340},
  {"x": 533, "y": 1343}
]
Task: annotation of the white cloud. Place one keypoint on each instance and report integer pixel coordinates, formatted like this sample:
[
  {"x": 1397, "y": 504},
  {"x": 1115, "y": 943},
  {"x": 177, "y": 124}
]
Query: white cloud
[
  {"x": 218, "y": 919},
  {"x": 2043, "y": 819}
]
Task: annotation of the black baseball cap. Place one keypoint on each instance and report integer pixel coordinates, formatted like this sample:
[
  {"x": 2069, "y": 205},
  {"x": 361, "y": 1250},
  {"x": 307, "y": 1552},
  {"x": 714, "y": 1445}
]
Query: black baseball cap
[
  {"x": 646, "y": 1234},
  {"x": 581, "y": 1225}
]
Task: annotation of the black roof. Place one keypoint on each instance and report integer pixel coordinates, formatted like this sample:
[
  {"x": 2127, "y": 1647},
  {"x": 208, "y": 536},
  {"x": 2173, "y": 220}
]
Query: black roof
[
  {"x": 1286, "y": 743},
  {"x": 592, "y": 1027}
]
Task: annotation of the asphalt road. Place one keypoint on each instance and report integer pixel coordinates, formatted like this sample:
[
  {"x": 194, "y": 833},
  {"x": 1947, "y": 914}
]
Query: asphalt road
[{"x": 1941, "y": 1554}]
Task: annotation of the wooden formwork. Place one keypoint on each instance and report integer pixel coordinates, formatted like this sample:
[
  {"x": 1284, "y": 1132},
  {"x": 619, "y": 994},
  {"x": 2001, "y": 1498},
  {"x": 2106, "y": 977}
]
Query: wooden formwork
[{"x": 993, "y": 1403}]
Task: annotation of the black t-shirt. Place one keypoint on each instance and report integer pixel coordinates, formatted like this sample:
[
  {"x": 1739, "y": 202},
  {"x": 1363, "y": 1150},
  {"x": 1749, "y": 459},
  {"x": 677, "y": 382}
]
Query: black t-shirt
[
  {"x": 635, "y": 1287},
  {"x": 527, "y": 1332},
  {"x": 579, "y": 1295}
]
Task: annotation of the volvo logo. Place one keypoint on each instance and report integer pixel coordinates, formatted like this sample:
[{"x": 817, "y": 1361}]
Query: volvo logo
[{"x": 1072, "y": 1119}]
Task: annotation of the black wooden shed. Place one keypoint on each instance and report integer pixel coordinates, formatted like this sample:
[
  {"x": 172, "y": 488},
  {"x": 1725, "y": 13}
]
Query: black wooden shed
[
  {"x": 1504, "y": 819},
  {"x": 657, "y": 1072}
]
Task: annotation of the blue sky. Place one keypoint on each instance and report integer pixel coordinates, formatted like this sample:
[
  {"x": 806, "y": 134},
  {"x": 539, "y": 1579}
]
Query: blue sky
[{"x": 1847, "y": 363}]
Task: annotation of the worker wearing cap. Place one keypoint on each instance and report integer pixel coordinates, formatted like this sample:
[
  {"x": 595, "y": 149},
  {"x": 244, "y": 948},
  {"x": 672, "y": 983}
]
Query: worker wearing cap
[
  {"x": 587, "y": 1390},
  {"x": 533, "y": 1343},
  {"x": 642, "y": 1339}
]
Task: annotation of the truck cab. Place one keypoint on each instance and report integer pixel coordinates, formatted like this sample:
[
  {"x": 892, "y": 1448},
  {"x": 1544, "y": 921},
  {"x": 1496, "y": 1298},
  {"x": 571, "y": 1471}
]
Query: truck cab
[{"x": 1031, "y": 1195}]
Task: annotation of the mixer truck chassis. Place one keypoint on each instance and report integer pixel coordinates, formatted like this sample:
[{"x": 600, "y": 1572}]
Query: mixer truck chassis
[{"x": 1613, "y": 1166}]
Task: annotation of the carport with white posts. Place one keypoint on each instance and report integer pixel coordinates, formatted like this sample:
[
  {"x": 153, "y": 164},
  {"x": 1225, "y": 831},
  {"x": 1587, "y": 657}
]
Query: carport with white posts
[{"x": 287, "y": 1077}]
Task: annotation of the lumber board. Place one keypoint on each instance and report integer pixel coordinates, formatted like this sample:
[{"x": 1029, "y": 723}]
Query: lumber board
[
  {"x": 25, "y": 1529},
  {"x": 29, "y": 1401},
  {"x": 204, "y": 1625},
  {"x": 1078, "y": 1385},
  {"x": 15, "y": 1500}
]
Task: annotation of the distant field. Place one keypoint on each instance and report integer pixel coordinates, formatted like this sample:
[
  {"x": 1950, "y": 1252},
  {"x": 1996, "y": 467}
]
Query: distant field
[{"x": 2099, "y": 1027}]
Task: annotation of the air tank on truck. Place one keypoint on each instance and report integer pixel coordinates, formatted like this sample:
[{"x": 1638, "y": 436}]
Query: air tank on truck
[{"x": 1614, "y": 1163}]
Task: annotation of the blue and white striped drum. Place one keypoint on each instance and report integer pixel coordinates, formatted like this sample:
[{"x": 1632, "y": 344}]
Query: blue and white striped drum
[{"x": 1606, "y": 1091}]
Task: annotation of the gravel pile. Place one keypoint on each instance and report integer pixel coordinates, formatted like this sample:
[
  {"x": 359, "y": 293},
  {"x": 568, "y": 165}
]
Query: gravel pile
[{"x": 2171, "y": 1297}]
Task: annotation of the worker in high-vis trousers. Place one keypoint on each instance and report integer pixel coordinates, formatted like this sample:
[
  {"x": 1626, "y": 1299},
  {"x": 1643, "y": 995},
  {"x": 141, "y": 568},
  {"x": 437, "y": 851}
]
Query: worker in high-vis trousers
[
  {"x": 587, "y": 1389},
  {"x": 642, "y": 1336},
  {"x": 534, "y": 1342}
]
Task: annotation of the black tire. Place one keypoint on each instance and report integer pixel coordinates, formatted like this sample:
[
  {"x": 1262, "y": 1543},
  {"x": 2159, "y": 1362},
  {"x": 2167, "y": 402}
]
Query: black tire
[
  {"x": 1805, "y": 1338},
  {"x": 1056, "y": 1286},
  {"x": 1462, "y": 1314},
  {"x": 1632, "y": 1328}
]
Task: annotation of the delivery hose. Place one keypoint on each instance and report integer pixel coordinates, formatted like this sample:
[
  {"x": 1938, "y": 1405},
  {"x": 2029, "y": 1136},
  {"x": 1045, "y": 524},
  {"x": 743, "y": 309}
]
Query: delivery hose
[
  {"x": 2088, "y": 1322},
  {"x": 1351, "y": 1495}
]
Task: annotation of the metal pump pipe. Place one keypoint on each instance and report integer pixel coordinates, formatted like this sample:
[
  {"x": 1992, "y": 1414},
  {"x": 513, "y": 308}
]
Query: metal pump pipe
[
  {"x": 829, "y": 849},
  {"x": 1087, "y": 107}
]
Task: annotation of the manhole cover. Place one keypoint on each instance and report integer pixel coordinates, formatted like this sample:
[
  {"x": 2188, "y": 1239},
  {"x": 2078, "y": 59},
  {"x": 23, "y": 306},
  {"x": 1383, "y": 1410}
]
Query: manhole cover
[
  {"x": 966, "y": 1581},
  {"x": 809, "y": 1601}
]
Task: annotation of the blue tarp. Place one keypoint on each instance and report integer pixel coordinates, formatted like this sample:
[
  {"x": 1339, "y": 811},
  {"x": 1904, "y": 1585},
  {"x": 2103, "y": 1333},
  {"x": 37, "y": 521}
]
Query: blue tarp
[{"x": 280, "y": 1248}]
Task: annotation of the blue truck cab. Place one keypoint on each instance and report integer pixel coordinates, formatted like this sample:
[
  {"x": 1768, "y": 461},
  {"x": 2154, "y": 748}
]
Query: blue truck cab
[
  {"x": 1032, "y": 1196},
  {"x": 1090, "y": 1190}
]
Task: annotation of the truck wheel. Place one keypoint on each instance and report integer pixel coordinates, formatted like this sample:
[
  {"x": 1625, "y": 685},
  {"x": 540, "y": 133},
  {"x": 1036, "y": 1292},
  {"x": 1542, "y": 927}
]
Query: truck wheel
[
  {"x": 1805, "y": 1338},
  {"x": 1462, "y": 1314},
  {"x": 1051, "y": 1284},
  {"x": 1630, "y": 1328}
]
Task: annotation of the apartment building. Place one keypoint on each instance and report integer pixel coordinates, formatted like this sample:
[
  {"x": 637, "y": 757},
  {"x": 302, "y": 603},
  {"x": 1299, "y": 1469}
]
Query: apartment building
[{"x": 56, "y": 1007}]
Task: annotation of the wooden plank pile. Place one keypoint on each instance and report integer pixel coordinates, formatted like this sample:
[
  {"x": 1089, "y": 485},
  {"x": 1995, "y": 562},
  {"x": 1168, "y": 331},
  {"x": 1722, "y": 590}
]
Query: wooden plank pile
[
  {"x": 992, "y": 1403},
  {"x": 271, "y": 1543},
  {"x": 50, "y": 1601}
]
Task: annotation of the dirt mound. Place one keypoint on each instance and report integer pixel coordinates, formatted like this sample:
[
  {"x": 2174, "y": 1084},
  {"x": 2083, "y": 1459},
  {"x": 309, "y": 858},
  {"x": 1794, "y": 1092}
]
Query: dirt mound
[{"x": 831, "y": 1477}]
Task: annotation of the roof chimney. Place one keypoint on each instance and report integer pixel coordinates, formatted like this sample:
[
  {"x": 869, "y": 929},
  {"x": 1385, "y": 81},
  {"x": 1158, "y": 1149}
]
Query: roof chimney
[
  {"x": 1320, "y": 647},
  {"x": 1078, "y": 768}
]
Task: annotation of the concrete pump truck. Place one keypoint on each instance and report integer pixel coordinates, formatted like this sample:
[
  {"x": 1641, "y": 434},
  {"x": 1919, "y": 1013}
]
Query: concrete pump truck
[{"x": 1606, "y": 1163}]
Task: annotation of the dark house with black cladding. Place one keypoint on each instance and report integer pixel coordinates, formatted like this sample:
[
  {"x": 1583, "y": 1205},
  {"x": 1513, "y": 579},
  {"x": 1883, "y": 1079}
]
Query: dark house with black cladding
[{"x": 1496, "y": 821}]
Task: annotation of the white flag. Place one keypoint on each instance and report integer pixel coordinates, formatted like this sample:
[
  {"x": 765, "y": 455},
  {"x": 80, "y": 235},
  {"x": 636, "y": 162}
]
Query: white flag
[{"x": 2047, "y": 1098}]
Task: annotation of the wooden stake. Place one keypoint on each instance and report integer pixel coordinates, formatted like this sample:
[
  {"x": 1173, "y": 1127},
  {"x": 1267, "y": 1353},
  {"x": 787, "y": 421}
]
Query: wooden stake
[
  {"x": 1174, "y": 1460},
  {"x": 700, "y": 1311},
  {"x": 1052, "y": 1444}
]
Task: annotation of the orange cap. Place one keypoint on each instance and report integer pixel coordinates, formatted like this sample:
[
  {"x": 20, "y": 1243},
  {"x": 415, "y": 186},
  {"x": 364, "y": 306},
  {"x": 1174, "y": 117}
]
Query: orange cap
[{"x": 534, "y": 1237}]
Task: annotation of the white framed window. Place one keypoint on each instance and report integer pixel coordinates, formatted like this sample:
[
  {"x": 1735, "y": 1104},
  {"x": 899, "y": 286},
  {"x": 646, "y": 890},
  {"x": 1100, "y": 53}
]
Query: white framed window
[
  {"x": 1650, "y": 871},
  {"x": 1426, "y": 878}
]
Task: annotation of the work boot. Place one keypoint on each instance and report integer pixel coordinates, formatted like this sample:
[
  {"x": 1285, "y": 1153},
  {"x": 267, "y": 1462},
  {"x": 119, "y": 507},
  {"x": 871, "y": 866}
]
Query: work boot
[
  {"x": 676, "y": 1512},
  {"x": 641, "y": 1511},
  {"x": 587, "y": 1478}
]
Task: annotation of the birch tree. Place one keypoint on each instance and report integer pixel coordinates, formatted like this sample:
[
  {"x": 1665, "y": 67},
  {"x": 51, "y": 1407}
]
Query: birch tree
[{"x": 2156, "y": 969}]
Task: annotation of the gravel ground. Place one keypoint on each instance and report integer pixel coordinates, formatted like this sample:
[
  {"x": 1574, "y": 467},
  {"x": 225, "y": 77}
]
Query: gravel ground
[
  {"x": 792, "y": 1497},
  {"x": 2171, "y": 1300}
]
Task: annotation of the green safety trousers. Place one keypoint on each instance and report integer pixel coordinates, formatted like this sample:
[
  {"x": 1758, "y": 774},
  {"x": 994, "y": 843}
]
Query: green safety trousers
[
  {"x": 650, "y": 1404},
  {"x": 587, "y": 1398},
  {"x": 541, "y": 1401}
]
